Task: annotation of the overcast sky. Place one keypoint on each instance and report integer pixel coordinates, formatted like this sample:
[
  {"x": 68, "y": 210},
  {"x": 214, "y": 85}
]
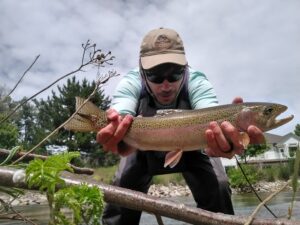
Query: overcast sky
[{"x": 247, "y": 48}]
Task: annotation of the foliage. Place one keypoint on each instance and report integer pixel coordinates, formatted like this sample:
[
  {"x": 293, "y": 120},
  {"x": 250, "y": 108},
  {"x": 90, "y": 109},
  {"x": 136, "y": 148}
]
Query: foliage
[
  {"x": 175, "y": 178},
  {"x": 60, "y": 106},
  {"x": 8, "y": 134},
  {"x": 29, "y": 134},
  {"x": 237, "y": 179},
  {"x": 295, "y": 182},
  {"x": 254, "y": 150},
  {"x": 45, "y": 174},
  {"x": 36, "y": 120},
  {"x": 85, "y": 202},
  {"x": 297, "y": 130},
  {"x": 105, "y": 174}
]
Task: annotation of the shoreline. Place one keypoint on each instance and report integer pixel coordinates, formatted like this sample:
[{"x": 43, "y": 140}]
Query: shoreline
[
  {"x": 174, "y": 190},
  {"x": 157, "y": 190}
]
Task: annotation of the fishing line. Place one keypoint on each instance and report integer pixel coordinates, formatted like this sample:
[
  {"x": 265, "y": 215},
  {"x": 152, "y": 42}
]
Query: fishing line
[{"x": 252, "y": 188}]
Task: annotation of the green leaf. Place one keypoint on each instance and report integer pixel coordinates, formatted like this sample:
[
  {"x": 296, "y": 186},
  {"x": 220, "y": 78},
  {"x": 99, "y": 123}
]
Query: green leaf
[{"x": 296, "y": 171}]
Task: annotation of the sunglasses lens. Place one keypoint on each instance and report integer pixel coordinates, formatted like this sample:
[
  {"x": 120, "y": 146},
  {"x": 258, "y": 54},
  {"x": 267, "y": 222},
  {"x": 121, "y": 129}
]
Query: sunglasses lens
[{"x": 158, "y": 78}]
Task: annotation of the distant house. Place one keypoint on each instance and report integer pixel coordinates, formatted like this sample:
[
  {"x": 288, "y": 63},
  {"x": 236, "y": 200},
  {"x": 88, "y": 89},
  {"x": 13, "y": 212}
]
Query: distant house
[
  {"x": 281, "y": 149},
  {"x": 56, "y": 149}
]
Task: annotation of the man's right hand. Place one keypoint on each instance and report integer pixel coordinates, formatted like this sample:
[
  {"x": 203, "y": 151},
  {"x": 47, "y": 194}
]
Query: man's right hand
[{"x": 111, "y": 136}]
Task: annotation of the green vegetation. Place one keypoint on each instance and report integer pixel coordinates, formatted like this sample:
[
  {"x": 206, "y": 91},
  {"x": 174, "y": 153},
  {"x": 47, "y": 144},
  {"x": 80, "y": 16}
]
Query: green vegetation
[
  {"x": 35, "y": 120},
  {"x": 175, "y": 178},
  {"x": 237, "y": 179},
  {"x": 255, "y": 174},
  {"x": 297, "y": 130},
  {"x": 105, "y": 174},
  {"x": 85, "y": 203},
  {"x": 8, "y": 134}
]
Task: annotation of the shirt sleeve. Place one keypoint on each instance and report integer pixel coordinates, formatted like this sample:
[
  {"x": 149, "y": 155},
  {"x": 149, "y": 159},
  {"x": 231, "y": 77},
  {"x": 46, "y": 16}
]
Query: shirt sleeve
[
  {"x": 201, "y": 92},
  {"x": 127, "y": 93}
]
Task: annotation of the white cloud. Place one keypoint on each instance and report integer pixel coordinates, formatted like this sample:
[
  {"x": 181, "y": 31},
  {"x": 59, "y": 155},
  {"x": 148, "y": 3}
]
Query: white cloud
[{"x": 247, "y": 48}]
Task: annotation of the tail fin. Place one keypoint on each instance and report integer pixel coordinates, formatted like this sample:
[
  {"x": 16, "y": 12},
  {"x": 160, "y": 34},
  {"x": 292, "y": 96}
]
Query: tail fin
[{"x": 88, "y": 118}]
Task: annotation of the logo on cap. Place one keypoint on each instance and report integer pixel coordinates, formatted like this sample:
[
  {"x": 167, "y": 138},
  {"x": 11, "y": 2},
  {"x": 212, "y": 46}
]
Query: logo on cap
[{"x": 162, "y": 42}]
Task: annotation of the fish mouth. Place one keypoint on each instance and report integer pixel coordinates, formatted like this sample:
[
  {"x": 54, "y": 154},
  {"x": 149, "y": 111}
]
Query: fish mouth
[{"x": 274, "y": 122}]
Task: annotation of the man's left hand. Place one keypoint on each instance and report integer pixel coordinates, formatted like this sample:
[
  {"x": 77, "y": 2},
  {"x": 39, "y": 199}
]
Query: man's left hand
[{"x": 224, "y": 140}]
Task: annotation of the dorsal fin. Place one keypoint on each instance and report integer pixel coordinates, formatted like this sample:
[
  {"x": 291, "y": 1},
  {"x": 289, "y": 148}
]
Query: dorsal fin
[
  {"x": 78, "y": 123},
  {"x": 89, "y": 108},
  {"x": 166, "y": 112}
]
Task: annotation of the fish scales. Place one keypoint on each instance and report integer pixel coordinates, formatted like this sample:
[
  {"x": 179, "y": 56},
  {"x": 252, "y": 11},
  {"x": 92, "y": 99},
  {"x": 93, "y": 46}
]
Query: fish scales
[{"x": 182, "y": 130}]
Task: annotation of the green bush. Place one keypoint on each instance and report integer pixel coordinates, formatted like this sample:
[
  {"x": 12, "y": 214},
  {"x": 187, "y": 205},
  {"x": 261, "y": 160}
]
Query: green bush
[
  {"x": 284, "y": 172},
  {"x": 237, "y": 179},
  {"x": 268, "y": 174}
]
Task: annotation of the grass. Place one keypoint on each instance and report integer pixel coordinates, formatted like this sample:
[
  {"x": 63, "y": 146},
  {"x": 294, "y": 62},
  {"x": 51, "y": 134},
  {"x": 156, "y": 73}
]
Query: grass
[{"x": 106, "y": 175}]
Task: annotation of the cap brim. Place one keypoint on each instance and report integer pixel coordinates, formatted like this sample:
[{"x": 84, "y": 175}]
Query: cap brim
[{"x": 154, "y": 60}]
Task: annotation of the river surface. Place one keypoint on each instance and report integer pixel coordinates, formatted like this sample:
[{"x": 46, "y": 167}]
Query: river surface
[{"x": 244, "y": 204}]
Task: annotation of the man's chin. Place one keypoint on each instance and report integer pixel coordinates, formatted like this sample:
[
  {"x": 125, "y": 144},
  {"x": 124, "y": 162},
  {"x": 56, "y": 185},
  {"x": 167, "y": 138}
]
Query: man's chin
[{"x": 166, "y": 100}]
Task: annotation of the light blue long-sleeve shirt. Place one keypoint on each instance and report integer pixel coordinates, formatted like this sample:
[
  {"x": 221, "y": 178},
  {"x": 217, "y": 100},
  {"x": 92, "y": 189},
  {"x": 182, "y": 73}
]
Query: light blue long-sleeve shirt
[{"x": 127, "y": 94}]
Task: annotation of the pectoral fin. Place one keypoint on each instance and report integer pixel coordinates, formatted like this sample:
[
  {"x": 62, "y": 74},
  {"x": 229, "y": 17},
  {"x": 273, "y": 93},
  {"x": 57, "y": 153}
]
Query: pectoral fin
[
  {"x": 244, "y": 139},
  {"x": 172, "y": 158}
]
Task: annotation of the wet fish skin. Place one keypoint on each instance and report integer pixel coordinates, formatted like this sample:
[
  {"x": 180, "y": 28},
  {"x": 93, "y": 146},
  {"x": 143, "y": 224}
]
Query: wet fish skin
[{"x": 181, "y": 130}]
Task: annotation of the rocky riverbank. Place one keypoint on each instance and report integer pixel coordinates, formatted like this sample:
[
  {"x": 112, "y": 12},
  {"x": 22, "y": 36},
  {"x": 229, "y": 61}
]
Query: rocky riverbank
[
  {"x": 173, "y": 190},
  {"x": 158, "y": 190}
]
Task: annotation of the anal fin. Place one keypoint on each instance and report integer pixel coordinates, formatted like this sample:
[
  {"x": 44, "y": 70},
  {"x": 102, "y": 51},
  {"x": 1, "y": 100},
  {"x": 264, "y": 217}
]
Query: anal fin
[{"x": 173, "y": 158}]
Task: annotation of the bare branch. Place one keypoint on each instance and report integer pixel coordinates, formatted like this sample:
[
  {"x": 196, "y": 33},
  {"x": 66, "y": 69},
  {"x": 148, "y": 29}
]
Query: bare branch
[
  {"x": 19, "y": 81},
  {"x": 139, "y": 201},
  {"x": 83, "y": 64},
  {"x": 251, "y": 217},
  {"x": 59, "y": 127}
]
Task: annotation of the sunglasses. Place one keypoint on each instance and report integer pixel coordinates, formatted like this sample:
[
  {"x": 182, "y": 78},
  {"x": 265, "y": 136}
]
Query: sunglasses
[{"x": 157, "y": 77}]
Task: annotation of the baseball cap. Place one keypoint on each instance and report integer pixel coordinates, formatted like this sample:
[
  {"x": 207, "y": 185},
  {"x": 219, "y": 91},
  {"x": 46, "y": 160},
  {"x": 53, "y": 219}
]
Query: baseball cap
[{"x": 160, "y": 46}]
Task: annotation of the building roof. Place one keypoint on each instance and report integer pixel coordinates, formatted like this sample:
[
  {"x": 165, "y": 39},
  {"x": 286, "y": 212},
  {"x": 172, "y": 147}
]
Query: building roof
[
  {"x": 272, "y": 138},
  {"x": 290, "y": 135}
]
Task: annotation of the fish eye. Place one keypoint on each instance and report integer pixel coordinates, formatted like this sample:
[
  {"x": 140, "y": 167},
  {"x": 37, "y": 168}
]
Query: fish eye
[{"x": 268, "y": 110}]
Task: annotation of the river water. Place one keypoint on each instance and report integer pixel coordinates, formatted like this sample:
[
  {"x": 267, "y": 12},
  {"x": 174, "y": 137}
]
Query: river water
[{"x": 244, "y": 204}]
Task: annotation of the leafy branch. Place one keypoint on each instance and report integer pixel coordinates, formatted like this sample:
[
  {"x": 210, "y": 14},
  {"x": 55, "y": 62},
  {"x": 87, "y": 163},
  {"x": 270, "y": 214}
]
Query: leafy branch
[{"x": 85, "y": 202}]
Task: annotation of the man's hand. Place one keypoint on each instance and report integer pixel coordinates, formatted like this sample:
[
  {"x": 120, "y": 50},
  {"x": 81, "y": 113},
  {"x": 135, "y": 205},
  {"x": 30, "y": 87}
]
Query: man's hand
[
  {"x": 224, "y": 140},
  {"x": 111, "y": 136}
]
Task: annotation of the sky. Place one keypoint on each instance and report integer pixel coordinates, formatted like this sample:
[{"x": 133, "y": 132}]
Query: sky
[{"x": 246, "y": 48}]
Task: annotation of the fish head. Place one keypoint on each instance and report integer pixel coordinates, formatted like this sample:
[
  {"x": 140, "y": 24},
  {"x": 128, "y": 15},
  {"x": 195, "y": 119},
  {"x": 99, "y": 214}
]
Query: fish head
[{"x": 263, "y": 115}]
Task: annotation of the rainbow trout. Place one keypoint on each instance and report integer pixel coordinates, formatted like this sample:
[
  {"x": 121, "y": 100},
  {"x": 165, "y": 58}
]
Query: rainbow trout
[{"x": 181, "y": 130}]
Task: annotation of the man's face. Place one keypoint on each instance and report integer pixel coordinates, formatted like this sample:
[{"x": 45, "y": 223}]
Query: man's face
[{"x": 165, "y": 81}]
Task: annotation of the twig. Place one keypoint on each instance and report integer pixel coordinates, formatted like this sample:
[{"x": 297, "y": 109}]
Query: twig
[
  {"x": 93, "y": 59},
  {"x": 252, "y": 188},
  {"x": 159, "y": 219},
  {"x": 98, "y": 83},
  {"x": 19, "y": 81},
  {"x": 22, "y": 217},
  {"x": 251, "y": 217}
]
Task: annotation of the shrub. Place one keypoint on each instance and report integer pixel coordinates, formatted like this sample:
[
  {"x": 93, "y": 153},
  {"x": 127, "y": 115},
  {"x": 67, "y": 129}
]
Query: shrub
[{"x": 237, "y": 178}]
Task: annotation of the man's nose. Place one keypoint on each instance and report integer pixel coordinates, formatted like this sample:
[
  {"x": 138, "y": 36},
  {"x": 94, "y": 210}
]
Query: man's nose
[{"x": 166, "y": 84}]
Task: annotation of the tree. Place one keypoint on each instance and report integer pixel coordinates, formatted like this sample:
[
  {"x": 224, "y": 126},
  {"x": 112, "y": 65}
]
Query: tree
[
  {"x": 254, "y": 150},
  {"x": 29, "y": 132},
  {"x": 8, "y": 130},
  {"x": 60, "y": 106},
  {"x": 297, "y": 130},
  {"x": 8, "y": 134}
]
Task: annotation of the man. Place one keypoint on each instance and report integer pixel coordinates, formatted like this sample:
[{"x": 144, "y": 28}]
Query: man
[{"x": 165, "y": 81}]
